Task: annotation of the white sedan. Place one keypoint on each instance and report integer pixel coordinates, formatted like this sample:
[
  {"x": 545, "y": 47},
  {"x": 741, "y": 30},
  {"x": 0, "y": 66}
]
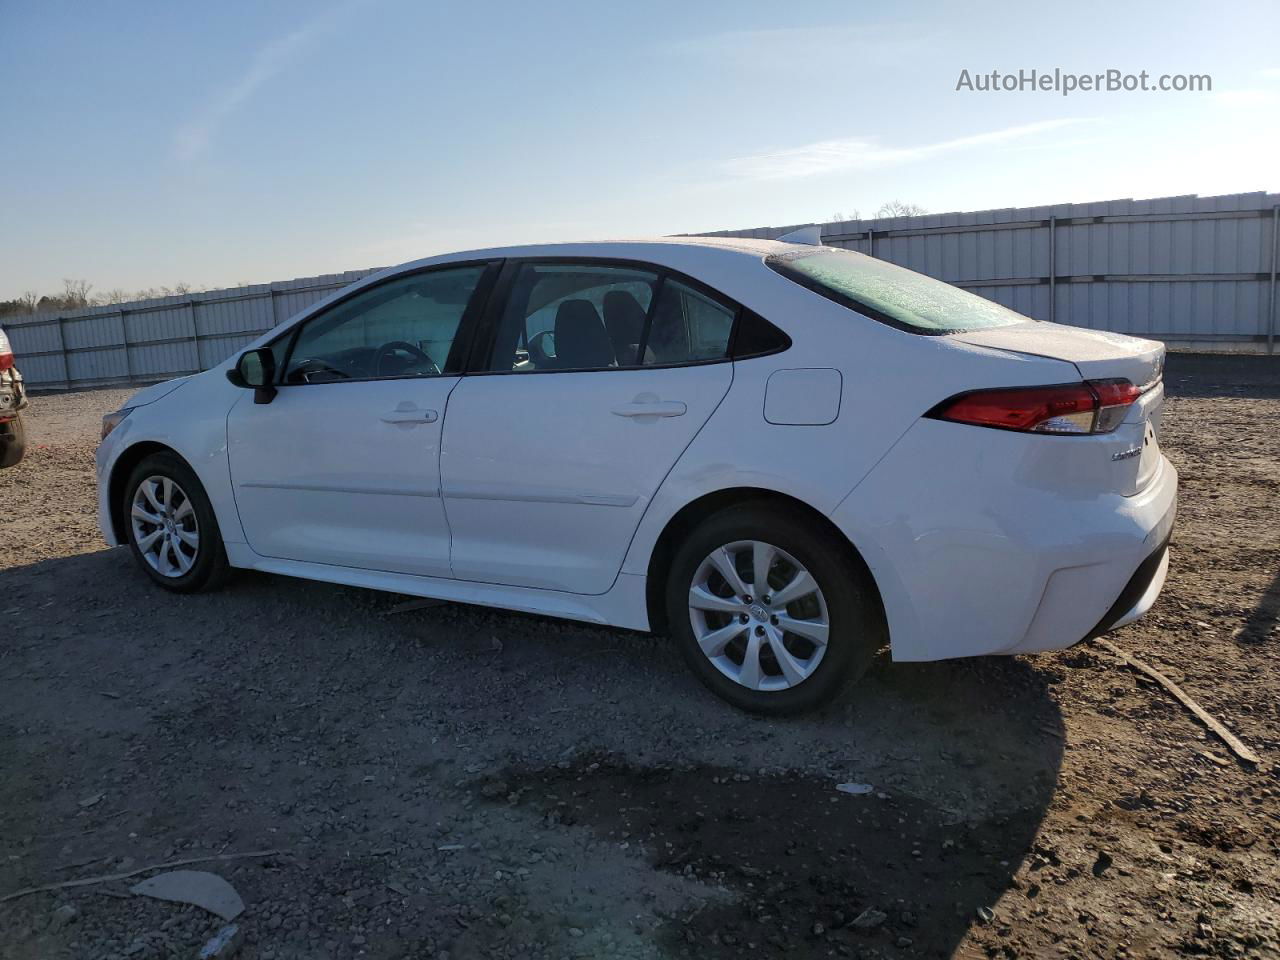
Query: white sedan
[{"x": 785, "y": 456}]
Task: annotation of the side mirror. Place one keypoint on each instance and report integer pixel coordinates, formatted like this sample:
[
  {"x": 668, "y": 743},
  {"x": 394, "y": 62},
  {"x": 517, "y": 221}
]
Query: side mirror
[{"x": 256, "y": 370}]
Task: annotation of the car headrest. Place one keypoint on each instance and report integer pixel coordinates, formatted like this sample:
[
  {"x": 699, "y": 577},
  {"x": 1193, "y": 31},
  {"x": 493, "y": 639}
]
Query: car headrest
[
  {"x": 581, "y": 340},
  {"x": 624, "y": 320}
]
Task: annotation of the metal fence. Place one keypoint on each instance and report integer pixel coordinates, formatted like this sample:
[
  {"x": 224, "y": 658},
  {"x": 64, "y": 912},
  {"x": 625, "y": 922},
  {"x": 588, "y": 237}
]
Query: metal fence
[
  {"x": 1196, "y": 272},
  {"x": 150, "y": 340}
]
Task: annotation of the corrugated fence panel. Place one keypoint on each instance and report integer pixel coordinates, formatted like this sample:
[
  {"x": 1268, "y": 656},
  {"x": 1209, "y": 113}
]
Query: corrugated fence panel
[
  {"x": 151, "y": 361},
  {"x": 170, "y": 323},
  {"x": 289, "y": 302},
  {"x": 241, "y": 315},
  {"x": 214, "y": 350},
  {"x": 97, "y": 366},
  {"x": 35, "y": 338},
  {"x": 82, "y": 333},
  {"x": 40, "y": 370}
]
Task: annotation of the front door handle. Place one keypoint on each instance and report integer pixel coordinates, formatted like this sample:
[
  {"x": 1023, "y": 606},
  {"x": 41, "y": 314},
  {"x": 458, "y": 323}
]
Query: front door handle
[
  {"x": 414, "y": 415},
  {"x": 651, "y": 408}
]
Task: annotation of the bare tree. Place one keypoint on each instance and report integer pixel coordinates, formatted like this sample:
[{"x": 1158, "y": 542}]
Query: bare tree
[
  {"x": 75, "y": 293},
  {"x": 29, "y": 299},
  {"x": 839, "y": 217},
  {"x": 898, "y": 208},
  {"x": 115, "y": 295}
]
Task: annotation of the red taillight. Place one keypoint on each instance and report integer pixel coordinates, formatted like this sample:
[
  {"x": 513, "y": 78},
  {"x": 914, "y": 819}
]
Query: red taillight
[
  {"x": 6, "y": 361},
  {"x": 1115, "y": 393},
  {"x": 1096, "y": 406},
  {"x": 1114, "y": 398}
]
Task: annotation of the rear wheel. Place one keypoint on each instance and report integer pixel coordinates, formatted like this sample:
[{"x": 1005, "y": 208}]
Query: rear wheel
[
  {"x": 173, "y": 533},
  {"x": 769, "y": 611}
]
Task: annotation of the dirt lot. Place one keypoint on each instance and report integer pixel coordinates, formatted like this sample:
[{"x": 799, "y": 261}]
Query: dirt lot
[{"x": 457, "y": 782}]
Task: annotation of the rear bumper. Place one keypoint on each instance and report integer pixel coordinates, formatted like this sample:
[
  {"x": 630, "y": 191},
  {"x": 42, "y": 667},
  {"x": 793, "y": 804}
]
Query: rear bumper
[
  {"x": 981, "y": 545},
  {"x": 1139, "y": 593},
  {"x": 1134, "y": 583}
]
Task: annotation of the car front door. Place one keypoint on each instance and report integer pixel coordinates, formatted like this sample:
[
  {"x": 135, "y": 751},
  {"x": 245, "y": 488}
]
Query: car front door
[
  {"x": 342, "y": 466},
  {"x": 595, "y": 379}
]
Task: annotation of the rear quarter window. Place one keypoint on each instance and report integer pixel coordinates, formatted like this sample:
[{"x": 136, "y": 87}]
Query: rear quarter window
[{"x": 891, "y": 294}]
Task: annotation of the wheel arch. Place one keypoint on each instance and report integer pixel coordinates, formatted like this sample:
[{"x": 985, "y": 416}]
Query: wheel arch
[
  {"x": 128, "y": 459},
  {"x": 695, "y": 511}
]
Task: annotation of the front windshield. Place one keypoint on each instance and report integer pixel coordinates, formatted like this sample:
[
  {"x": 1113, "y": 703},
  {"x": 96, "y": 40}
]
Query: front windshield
[{"x": 892, "y": 294}]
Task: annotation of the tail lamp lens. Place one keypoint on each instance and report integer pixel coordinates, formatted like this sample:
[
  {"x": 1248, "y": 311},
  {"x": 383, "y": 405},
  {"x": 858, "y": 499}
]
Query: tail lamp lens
[
  {"x": 1095, "y": 406},
  {"x": 6, "y": 361},
  {"x": 1114, "y": 398}
]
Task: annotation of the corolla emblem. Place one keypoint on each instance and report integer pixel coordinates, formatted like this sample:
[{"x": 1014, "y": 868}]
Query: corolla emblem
[{"x": 1127, "y": 454}]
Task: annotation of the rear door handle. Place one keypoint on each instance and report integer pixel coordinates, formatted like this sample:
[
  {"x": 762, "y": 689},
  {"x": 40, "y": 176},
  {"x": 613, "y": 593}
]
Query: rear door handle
[
  {"x": 410, "y": 416},
  {"x": 654, "y": 408}
]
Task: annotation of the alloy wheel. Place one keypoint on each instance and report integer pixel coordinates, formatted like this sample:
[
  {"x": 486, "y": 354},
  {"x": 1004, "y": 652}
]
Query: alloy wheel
[
  {"x": 165, "y": 527},
  {"x": 758, "y": 615}
]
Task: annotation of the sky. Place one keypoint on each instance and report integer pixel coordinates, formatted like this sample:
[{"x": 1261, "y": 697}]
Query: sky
[{"x": 148, "y": 144}]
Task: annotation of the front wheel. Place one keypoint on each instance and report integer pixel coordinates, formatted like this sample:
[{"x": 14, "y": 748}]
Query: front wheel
[
  {"x": 770, "y": 611},
  {"x": 173, "y": 533}
]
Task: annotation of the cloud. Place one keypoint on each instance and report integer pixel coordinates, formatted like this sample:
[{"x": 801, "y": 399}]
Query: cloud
[
  {"x": 866, "y": 153},
  {"x": 193, "y": 136},
  {"x": 1262, "y": 96},
  {"x": 1246, "y": 97}
]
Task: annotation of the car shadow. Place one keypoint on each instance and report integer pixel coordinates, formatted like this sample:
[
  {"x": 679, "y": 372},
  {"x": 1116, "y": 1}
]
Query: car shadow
[
  {"x": 1264, "y": 620},
  {"x": 1221, "y": 375},
  {"x": 960, "y": 762},
  {"x": 891, "y": 822}
]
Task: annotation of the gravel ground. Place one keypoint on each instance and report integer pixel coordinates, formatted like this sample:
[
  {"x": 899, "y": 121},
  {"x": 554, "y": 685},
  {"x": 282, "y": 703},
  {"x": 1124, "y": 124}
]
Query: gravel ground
[{"x": 460, "y": 782}]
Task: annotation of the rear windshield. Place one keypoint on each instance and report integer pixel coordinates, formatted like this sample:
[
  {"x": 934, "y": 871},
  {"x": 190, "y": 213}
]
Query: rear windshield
[{"x": 894, "y": 295}]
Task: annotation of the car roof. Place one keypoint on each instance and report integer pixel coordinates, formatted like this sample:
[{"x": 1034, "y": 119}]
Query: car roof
[{"x": 671, "y": 251}]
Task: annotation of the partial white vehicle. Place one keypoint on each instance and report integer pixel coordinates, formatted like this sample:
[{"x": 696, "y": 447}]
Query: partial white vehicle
[
  {"x": 783, "y": 455},
  {"x": 13, "y": 400}
]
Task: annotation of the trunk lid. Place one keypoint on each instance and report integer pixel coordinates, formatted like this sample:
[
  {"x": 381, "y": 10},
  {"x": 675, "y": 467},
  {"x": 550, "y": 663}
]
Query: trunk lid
[
  {"x": 1133, "y": 448},
  {"x": 1097, "y": 354}
]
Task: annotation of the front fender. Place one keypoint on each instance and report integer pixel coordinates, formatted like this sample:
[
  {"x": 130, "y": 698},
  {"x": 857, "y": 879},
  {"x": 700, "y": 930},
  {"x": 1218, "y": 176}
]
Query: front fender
[{"x": 192, "y": 422}]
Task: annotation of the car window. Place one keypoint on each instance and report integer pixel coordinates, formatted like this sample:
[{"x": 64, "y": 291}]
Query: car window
[
  {"x": 891, "y": 293},
  {"x": 573, "y": 317},
  {"x": 402, "y": 328},
  {"x": 756, "y": 337},
  {"x": 687, "y": 327}
]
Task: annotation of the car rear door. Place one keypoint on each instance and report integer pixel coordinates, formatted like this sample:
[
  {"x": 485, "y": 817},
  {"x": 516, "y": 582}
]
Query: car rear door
[
  {"x": 342, "y": 466},
  {"x": 593, "y": 380}
]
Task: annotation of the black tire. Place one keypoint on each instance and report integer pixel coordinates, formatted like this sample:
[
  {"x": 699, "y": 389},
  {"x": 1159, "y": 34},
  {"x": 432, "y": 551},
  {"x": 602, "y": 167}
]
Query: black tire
[
  {"x": 210, "y": 568},
  {"x": 857, "y": 628},
  {"x": 13, "y": 442}
]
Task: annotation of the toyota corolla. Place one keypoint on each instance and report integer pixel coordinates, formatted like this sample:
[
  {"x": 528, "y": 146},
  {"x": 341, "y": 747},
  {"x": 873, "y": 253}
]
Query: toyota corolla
[{"x": 782, "y": 455}]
